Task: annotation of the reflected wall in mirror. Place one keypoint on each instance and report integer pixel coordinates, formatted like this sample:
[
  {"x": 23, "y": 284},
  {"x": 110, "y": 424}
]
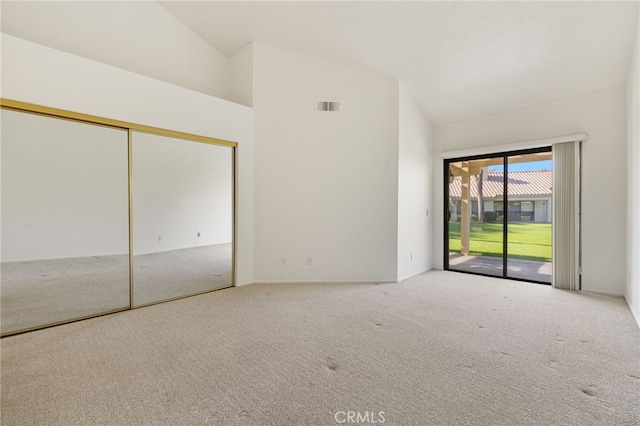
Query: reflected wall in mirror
[
  {"x": 65, "y": 232},
  {"x": 182, "y": 217}
]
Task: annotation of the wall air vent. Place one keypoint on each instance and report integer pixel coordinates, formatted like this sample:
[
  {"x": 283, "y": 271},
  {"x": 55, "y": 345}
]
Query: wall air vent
[{"x": 328, "y": 106}]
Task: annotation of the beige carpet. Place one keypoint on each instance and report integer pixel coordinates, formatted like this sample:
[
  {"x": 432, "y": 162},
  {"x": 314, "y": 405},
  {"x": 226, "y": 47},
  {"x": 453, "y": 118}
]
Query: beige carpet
[
  {"x": 439, "y": 349},
  {"x": 35, "y": 293}
]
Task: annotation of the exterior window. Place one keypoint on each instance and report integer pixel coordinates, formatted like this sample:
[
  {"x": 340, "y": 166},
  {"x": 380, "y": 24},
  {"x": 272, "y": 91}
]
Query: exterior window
[
  {"x": 526, "y": 211},
  {"x": 499, "y": 213}
]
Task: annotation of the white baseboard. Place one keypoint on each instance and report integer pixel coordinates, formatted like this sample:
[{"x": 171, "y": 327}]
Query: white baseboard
[
  {"x": 414, "y": 274},
  {"x": 636, "y": 316},
  {"x": 331, "y": 281},
  {"x": 603, "y": 292}
]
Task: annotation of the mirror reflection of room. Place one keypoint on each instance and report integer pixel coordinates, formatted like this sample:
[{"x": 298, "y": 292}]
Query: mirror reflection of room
[
  {"x": 72, "y": 211},
  {"x": 182, "y": 217},
  {"x": 65, "y": 231}
]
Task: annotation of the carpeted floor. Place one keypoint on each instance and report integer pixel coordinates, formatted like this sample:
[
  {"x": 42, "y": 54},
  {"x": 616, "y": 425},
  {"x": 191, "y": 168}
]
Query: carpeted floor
[
  {"x": 35, "y": 293},
  {"x": 439, "y": 349}
]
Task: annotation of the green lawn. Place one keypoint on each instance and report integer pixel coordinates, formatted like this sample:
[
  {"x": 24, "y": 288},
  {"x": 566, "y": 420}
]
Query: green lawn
[{"x": 529, "y": 241}]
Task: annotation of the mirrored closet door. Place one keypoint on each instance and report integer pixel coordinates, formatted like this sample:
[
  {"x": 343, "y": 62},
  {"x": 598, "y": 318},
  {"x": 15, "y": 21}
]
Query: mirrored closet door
[
  {"x": 65, "y": 230},
  {"x": 100, "y": 216},
  {"x": 182, "y": 217}
]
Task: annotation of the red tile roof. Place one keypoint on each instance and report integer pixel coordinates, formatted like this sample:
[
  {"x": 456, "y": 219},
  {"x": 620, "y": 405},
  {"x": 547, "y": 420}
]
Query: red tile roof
[{"x": 520, "y": 184}]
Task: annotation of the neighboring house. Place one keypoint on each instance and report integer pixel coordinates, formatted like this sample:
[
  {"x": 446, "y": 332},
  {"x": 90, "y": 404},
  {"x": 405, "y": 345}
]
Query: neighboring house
[{"x": 529, "y": 195}]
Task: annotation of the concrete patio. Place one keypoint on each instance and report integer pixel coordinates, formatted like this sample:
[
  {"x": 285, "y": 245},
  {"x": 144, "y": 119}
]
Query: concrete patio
[{"x": 522, "y": 269}]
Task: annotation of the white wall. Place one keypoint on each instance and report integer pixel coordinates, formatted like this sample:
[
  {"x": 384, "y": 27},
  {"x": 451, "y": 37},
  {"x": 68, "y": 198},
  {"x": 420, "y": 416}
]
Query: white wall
[
  {"x": 241, "y": 76},
  {"x": 604, "y": 163},
  {"x": 325, "y": 182},
  {"x": 138, "y": 36},
  {"x": 37, "y": 74},
  {"x": 414, "y": 189},
  {"x": 632, "y": 292}
]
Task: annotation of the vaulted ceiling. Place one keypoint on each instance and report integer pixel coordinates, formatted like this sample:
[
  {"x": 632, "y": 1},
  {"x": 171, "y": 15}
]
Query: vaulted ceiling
[{"x": 461, "y": 60}]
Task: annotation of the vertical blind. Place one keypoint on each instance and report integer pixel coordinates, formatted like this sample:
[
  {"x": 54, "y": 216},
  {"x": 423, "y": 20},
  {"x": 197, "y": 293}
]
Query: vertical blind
[{"x": 566, "y": 216}]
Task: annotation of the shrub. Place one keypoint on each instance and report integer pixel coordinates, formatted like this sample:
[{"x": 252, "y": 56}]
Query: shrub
[{"x": 490, "y": 217}]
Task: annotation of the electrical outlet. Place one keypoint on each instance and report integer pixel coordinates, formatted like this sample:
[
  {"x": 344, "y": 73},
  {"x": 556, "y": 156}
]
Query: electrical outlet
[
  {"x": 309, "y": 260},
  {"x": 283, "y": 261},
  {"x": 198, "y": 234},
  {"x": 159, "y": 237}
]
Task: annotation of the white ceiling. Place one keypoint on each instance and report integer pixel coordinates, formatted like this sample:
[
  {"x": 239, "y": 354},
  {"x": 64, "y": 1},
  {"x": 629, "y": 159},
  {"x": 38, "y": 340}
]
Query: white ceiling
[{"x": 461, "y": 60}]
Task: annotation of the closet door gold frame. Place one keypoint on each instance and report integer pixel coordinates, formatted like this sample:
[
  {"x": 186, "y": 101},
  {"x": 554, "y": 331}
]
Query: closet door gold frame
[{"x": 130, "y": 127}]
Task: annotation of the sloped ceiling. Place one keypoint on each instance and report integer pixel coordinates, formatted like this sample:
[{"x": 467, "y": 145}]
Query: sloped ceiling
[{"x": 461, "y": 60}]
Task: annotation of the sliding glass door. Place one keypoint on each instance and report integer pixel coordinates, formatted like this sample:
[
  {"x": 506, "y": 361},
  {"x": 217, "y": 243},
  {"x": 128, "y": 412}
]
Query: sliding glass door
[
  {"x": 530, "y": 183},
  {"x": 476, "y": 236},
  {"x": 498, "y": 215}
]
